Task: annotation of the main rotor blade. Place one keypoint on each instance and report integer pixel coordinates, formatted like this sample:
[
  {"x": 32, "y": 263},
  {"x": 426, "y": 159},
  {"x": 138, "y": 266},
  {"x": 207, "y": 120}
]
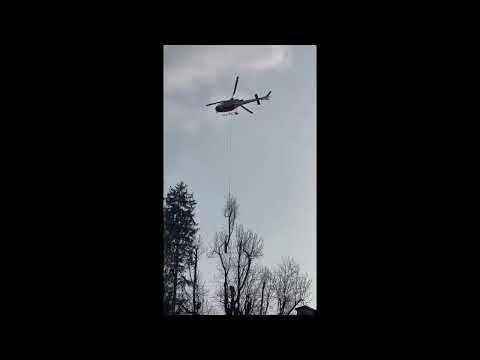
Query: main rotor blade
[
  {"x": 235, "y": 89},
  {"x": 246, "y": 109},
  {"x": 214, "y": 103}
]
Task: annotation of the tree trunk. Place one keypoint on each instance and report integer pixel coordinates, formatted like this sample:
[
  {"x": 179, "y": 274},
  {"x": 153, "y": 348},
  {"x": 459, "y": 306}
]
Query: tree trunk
[
  {"x": 233, "y": 311},
  {"x": 175, "y": 275},
  {"x": 261, "y": 302},
  {"x": 240, "y": 287},
  {"x": 195, "y": 283},
  {"x": 266, "y": 307},
  {"x": 227, "y": 242},
  {"x": 174, "y": 298},
  {"x": 293, "y": 307},
  {"x": 225, "y": 294}
]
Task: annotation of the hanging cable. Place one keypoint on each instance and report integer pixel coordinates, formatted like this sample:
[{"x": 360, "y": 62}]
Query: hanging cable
[{"x": 229, "y": 156}]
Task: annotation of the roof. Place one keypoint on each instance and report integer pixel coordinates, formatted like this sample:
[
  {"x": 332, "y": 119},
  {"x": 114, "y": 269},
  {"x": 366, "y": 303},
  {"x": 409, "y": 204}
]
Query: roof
[{"x": 305, "y": 307}]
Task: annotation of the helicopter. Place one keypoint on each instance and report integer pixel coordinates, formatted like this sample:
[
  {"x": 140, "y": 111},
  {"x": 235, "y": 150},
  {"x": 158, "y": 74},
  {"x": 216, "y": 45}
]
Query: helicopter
[{"x": 232, "y": 104}]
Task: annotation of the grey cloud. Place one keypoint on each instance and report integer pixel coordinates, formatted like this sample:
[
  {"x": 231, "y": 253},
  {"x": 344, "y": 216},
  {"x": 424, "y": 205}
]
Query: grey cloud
[{"x": 185, "y": 67}]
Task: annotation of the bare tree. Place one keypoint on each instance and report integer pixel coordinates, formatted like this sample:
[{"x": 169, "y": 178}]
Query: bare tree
[
  {"x": 194, "y": 289},
  {"x": 235, "y": 260},
  {"x": 206, "y": 307},
  {"x": 266, "y": 282},
  {"x": 248, "y": 247},
  {"x": 225, "y": 265},
  {"x": 202, "y": 306},
  {"x": 250, "y": 297},
  {"x": 291, "y": 288},
  {"x": 259, "y": 290}
]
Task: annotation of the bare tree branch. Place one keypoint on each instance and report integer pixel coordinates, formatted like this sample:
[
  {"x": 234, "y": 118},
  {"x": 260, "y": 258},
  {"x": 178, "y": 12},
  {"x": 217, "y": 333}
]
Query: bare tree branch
[{"x": 291, "y": 287}]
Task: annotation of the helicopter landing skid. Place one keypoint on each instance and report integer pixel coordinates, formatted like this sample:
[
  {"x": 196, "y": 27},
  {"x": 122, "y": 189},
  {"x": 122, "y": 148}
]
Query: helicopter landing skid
[{"x": 231, "y": 113}]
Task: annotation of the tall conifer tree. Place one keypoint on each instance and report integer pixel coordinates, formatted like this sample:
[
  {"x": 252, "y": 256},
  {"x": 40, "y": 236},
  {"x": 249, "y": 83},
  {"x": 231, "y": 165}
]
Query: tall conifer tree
[{"x": 180, "y": 231}]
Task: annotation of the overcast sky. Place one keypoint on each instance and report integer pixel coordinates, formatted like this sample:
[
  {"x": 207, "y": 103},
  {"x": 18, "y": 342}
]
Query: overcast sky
[{"x": 273, "y": 151}]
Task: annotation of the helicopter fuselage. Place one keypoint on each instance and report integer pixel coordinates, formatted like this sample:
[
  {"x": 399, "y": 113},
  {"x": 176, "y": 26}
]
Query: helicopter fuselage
[
  {"x": 228, "y": 105},
  {"x": 232, "y": 104}
]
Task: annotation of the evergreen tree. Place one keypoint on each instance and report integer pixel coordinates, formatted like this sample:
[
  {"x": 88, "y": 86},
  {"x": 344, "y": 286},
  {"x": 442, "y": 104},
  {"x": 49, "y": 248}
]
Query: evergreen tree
[
  {"x": 167, "y": 293},
  {"x": 180, "y": 231}
]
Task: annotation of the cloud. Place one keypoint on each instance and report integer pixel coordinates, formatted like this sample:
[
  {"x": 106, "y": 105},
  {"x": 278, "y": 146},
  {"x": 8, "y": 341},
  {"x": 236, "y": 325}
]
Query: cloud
[{"x": 186, "y": 67}]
